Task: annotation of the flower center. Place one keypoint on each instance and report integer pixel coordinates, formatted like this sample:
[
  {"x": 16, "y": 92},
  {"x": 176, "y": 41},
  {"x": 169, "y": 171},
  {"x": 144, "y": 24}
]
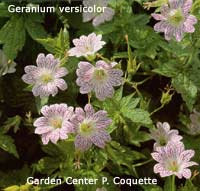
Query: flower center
[
  {"x": 100, "y": 74},
  {"x": 176, "y": 17},
  {"x": 46, "y": 78},
  {"x": 56, "y": 123},
  {"x": 86, "y": 128},
  {"x": 162, "y": 141},
  {"x": 173, "y": 166}
]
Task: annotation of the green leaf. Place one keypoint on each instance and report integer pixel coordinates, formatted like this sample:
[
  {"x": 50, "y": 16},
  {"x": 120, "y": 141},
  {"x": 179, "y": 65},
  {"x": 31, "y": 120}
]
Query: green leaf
[
  {"x": 192, "y": 142},
  {"x": 57, "y": 45},
  {"x": 196, "y": 9},
  {"x": 118, "y": 94},
  {"x": 47, "y": 165},
  {"x": 49, "y": 44},
  {"x": 12, "y": 35},
  {"x": 152, "y": 188},
  {"x": 181, "y": 49},
  {"x": 40, "y": 102},
  {"x": 188, "y": 186},
  {"x": 122, "y": 156},
  {"x": 169, "y": 69},
  {"x": 4, "y": 10},
  {"x": 129, "y": 102},
  {"x": 7, "y": 144},
  {"x": 144, "y": 39},
  {"x": 14, "y": 177},
  {"x": 11, "y": 122},
  {"x": 34, "y": 27},
  {"x": 137, "y": 137},
  {"x": 138, "y": 116},
  {"x": 186, "y": 88}
]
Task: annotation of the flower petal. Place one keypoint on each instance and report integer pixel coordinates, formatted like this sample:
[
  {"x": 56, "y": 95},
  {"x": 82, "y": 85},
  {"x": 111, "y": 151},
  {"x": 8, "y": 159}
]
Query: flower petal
[{"x": 82, "y": 143}]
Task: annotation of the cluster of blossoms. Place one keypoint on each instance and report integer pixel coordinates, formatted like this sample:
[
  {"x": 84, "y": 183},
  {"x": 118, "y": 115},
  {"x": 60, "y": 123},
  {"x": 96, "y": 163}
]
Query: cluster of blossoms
[
  {"x": 60, "y": 120},
  {"x": 175, "y": 19},
  {"x": 96, "y": 17},
  {"x": 46, "y": 77},
  {"x": 100, "y": 78},
  {"x": 170, "y": 153}
]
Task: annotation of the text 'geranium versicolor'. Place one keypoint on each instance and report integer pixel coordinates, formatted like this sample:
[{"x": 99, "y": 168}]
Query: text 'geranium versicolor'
[
  {"x": 46, "y": 76},
  {"x": 86, "y": 45},
  {"x": 100, "y": 78},
  {"x": 54, "y": 124},
  {"x": 175, "y": 19},
  {"x": 173, "y": 159},
  {"x": 90, "y": 127}
]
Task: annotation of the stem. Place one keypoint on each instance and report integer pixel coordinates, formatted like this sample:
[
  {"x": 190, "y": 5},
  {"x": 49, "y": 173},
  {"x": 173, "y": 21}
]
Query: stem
[
  {"x": 157, "y": 109},
  {"x": 143, "y": 163},
  {"x": 89, "y": 97},
  {"x": 173, "y": 183}
]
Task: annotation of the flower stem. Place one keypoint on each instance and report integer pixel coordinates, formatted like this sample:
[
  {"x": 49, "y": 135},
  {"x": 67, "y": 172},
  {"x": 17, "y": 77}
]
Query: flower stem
[
  {"x": 157, "y": 109},
  {"x": 143, "y": 163},
  {"x": 173, "y": 187}
]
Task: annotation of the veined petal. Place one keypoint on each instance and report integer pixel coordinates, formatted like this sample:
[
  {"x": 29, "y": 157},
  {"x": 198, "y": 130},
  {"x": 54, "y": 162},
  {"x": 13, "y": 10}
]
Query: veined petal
[
  {"x": 187, "y": 173},
  {"x": 60, "y": 72},
  {"x": 158, "y": 17},
  {"x": 61, "y": 84},
  {"x": 82, "y": 143},
  {"x": 187, "y": 6},
  {"x": 42, "y": 130}
]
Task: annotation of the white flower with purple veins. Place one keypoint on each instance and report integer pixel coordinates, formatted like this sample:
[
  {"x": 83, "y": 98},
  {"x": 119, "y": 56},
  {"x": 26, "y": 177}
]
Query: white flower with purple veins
[
  {"x": 86, "y": 45},
  {"x": 54, "y": 124},
  {"x": 99, "y": 79},
  {"x": 90, "y": 127},
  {"x": 46, "y": 76},
  {"x": 98, "y": 17},
  {"x": 175, "y": 19},
  {"x": 173, "y": 160},
  {"x": 162, "y": 135}
]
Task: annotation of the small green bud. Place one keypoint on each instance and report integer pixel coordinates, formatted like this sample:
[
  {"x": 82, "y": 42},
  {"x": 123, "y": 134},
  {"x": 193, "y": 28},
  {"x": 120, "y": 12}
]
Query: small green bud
[
  {"x": 158, "y": 3},
  {"x": 132, "y": 66},
  {"x": 166, "y": 97}
]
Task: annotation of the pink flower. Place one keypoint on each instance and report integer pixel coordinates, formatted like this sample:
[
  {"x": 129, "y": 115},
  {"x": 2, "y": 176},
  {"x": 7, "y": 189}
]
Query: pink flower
[
  {"x": 162, "y": 135},
  {"x": 90, "y": 127},
  {"x": 175, "y": 19},
  {"x": 46, "y": 76},
  {"x": 173, "y": 160},
  {"x": 86, "y": 45},
  {"x": 100, "y": 78},
  {"x": 96, "y": 17},
  {"x": 54, "y": 124}
]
